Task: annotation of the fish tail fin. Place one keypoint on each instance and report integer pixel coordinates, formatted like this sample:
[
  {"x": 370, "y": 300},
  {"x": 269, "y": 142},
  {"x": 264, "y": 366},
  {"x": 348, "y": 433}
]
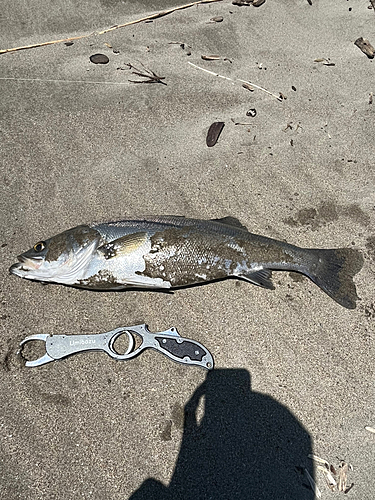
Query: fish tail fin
[{"x": 334, "y": 272}]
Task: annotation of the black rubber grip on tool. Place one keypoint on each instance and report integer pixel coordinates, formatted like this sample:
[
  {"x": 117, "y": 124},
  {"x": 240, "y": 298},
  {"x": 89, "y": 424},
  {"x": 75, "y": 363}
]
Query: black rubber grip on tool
[{"x": 181, "y": 349}]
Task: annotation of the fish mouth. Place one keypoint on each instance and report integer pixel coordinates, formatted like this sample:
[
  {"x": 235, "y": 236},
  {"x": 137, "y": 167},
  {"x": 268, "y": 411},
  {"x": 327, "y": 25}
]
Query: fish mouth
[
  {"x": 17, "y": 269},
  {"x": 24, "y": 266}
]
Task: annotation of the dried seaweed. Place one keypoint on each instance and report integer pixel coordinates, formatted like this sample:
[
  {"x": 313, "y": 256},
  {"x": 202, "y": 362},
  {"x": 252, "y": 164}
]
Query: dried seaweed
[
  {"x": 149, "y": 75},
  {"x": 336, "y": 479}
]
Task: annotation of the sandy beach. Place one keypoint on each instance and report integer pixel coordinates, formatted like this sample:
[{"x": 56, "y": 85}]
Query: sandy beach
[{"x": 81, "y": 142}]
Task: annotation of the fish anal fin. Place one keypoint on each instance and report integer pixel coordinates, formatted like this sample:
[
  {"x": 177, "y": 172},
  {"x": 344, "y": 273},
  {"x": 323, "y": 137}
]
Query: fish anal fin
[
  {"x": 124, "y": 245},
  {"x": 231, "y": 221},
  {"x": 261, "y": 278}
]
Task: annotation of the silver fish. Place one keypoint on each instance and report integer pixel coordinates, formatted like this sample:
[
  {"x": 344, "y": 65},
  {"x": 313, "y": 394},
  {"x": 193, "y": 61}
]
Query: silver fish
[{"x": 171, "y": 251}]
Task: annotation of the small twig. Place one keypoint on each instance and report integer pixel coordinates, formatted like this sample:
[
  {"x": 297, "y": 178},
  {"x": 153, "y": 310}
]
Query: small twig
[
  {"x": 248, "y": 87},
  {"x": 326, "y": 62},
  {"x": 237, "y": 80},
  {"x": 315, "y": 458},
  {"x": 116, "y": 27},
  {"x": 240, "y": 123},
  {"x": 330, "y": 480},
  {"x": 150, "y": 76},
  {"x": 313, "y": 484},
  {"x": 343, "y": 476}
]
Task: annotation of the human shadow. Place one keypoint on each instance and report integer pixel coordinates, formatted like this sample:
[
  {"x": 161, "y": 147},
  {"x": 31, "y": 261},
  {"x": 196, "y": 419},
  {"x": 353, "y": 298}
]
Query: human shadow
[{"x": 246, "y": 446}]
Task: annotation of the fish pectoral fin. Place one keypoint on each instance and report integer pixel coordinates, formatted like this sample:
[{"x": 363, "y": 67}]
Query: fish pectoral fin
[
  {"x": 231, "y": 221},
  {"x": 261, "y": 278},
  {"x": 123, "y": 246}
]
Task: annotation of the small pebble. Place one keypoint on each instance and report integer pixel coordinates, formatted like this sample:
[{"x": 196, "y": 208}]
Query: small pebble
[
  {"x": 252, "y": 112},
  {"x": 99, "y": 59}
]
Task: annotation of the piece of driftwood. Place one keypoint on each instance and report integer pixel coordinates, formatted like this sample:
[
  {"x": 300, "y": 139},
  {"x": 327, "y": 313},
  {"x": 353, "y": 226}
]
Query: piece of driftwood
[
  {"x": 254, "y": 3},
  {"x": 215, "y": 58},
  {"x": 210, "y": 58},
  {"x": 366, "y": 47},
  {"x": 241, "y": 3},
  {"x": 213, "y": 133},
  {"x": 248, "y": 87},
  {"x": 117, "y": 26}
]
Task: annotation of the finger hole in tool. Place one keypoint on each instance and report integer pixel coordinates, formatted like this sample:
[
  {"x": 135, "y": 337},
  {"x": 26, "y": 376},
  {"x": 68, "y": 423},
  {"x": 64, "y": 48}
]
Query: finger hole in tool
[
  {"x": 123, "y": 344},
  {"x": 33, "y": 350}
]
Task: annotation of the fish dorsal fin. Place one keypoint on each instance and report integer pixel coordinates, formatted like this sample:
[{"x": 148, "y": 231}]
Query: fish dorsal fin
[
  {"x": 231, "y": 221},
  {"x": 124, "y": 245},
  {"x": 261, "y": 278}
]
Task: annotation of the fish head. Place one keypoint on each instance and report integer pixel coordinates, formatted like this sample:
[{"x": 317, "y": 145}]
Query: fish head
[{"x": 60, "y": 259}]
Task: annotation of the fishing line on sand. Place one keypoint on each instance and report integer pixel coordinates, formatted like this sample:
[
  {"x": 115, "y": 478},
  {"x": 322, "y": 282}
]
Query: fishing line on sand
[{"x": 61, "y": 81}]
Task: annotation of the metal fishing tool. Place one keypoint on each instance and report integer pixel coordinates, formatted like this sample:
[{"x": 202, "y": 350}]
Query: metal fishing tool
[{"x": 169, "y": 342}]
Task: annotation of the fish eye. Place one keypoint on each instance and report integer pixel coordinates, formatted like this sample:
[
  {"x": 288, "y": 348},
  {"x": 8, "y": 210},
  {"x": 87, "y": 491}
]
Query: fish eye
[{"x": 38, "y": 247}]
